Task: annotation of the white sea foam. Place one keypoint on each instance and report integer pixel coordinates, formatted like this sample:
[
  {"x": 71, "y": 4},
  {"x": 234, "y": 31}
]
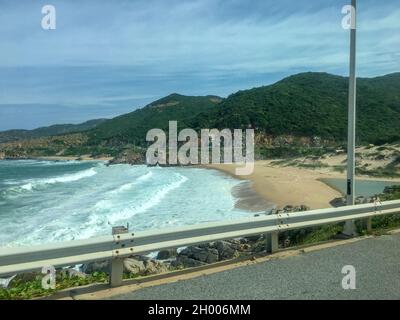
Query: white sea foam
[
  {"x": 130, "y": 185},
  {"x": 148, "y": 202},
  {"x": 31, "y": 185},
  {"x": 69, "y": 177},
  {"x": 88, "y": 202}
]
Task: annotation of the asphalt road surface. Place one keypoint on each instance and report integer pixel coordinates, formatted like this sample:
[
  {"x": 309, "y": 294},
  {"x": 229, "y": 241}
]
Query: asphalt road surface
[{"x": 314, "y": 275}]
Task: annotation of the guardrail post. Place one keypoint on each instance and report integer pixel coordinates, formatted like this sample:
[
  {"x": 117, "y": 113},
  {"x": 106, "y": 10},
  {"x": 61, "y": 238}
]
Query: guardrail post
[
  {"x": 116, "y": 273},
  {"x": 272, "y": 242},
  {"x": 117, "y": 264},
  {"x": 368, "y": 224}
]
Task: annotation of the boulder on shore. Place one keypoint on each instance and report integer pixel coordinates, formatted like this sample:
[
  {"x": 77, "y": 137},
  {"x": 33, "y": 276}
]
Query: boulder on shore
[
  {"x": 144, "y": 266},
  {"x": 209, "y": 253},
  {"x": 341, "y": 202},
  {"x": 134, "y": 266},
  {"x": 204, "y": 254},
  {"x": 97, "y": 266},
  {"x": 166, "y": 254},
  {"x": 186, "y": 262},
  {"x": 226, "y": 250}
]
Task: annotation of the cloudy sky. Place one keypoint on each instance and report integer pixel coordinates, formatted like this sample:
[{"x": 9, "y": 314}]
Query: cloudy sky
[{"x": 106, "y": 58}]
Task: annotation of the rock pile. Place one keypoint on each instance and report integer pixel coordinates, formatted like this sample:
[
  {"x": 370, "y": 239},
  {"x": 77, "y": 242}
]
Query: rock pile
[
  {"x": 290, "y": 208},
  {"x": 195, "y": 256},
  {"x": 340, "y": 202},
  {"x": 207, "y": 253},
  {"x": 190, "y": 257},
  {"x": 144, "y": 266},
  {"x": 129, "y": 157}
]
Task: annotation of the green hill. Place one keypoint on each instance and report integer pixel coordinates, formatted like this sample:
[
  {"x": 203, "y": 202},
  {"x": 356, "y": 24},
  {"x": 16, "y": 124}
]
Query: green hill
[
  {"x": 133, "y": 127},
  {"x": 58, "y": 129},
  {"x": 305, "y": 105},
  {"x": 313, "y": 104}
]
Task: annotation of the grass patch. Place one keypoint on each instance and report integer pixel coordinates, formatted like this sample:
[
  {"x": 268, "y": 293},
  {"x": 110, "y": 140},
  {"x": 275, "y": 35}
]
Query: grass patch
[
  {"x": 21, "y": 289},
  {"x": 389, "y": 171},
  {"x": 279, "y": 162},
  {"x": 315, "y": 165},
  {"x": 311, "y": 235},
  {"x": 340, "y": 169}
]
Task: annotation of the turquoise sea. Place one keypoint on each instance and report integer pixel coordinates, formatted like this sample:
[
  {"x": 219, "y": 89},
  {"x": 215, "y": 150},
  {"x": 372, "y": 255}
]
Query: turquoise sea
[
  {"x": 366, "y": 188},
  {"x": 45, "y": 201}
]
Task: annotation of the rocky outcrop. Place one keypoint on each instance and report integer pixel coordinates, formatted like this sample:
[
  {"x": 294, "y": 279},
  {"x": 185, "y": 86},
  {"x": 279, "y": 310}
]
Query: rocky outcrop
[
  {"x": 227, "y": 250},
  {"x": 137, "y": 265},
  {"x": 166, "y": 254},
  {"x": 134, "y": 266},
  {"x": 186, "y": 262},
  {"x": 2, "y": 155},
  {"x": 197, "y": 256},
  {"x": 205, "y": 254},
  {"x": 144, "y": 266},
  {"x": 208, "y": 253},
  {"x": 130, "y": 157},
  {"x": 290, "y": 208},
  {"x": 340, "y": 202}
]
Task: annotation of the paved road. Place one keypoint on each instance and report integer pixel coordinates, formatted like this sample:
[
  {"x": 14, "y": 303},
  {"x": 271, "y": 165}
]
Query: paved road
[{"x": 314, "y": 275}]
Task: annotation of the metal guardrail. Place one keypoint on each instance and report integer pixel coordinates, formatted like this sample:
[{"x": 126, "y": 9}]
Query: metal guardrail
[{"x": 119, "y": 246}]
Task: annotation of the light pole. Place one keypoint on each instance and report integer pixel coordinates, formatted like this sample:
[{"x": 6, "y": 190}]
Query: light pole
[{"x": 350, "y": 228}]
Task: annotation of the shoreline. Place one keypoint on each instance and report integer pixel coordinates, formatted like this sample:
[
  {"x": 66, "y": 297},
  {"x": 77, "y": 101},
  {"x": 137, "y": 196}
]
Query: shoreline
[
  {"x": 81, "y": 158},
  {"x": 270, "y": 186},
  {"x": 294, "y": 186},
  {"x": 246, "y": 196},
  {"x": 61, "y": 158},
  {"x": 248, "y": 199}
]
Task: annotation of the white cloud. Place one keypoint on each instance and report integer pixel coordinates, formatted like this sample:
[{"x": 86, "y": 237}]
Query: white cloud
[{"x": 133, "y": 51}]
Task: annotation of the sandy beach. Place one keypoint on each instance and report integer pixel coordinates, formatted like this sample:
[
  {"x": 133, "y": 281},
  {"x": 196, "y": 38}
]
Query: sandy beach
[{"x": 285, "y": 185}]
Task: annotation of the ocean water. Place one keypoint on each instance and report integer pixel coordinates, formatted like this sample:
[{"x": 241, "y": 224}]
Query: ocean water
[
  {"x": 44, "y": 201},
  {"x": 366, "y": 188}
]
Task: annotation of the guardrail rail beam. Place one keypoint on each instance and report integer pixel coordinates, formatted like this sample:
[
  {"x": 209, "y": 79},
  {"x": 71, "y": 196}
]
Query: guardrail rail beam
[{"x": 122, "y": 244}]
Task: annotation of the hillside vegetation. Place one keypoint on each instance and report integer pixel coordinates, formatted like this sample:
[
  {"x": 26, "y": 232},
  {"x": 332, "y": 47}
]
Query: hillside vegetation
[
  {"x": 58, "y": 129},
  {"x": 313, "y": 104},
  {"x": 132, "y": 128},
  {"x": 291, "y": 117}
]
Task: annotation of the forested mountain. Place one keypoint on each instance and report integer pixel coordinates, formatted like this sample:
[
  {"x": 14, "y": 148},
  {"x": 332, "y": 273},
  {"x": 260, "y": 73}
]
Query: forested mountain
[
  {"x": 58, "y": 129},
  {"x": 313, "y": 104},
  {"x": 133, "y": 127},
  {"x": 305, "y": 105}
]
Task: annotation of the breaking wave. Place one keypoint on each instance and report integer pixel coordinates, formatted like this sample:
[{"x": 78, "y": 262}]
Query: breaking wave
[
  {"x": 31, "y": 185},
  {"x": 55, "y": 203},
  {"x": 147, "y": 202}
]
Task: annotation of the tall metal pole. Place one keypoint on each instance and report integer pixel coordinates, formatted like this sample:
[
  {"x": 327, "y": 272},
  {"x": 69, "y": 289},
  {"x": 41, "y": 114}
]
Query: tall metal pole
[{"x": 351, "y": 144}]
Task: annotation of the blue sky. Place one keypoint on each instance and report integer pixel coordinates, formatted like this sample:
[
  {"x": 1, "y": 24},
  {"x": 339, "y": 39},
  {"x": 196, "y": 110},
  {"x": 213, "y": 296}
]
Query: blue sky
[{"x": 106, "y": 58}]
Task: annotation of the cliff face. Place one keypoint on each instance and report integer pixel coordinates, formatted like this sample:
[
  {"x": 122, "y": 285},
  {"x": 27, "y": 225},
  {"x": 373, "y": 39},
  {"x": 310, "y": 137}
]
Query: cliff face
[{"x": 2, "y": 155}]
